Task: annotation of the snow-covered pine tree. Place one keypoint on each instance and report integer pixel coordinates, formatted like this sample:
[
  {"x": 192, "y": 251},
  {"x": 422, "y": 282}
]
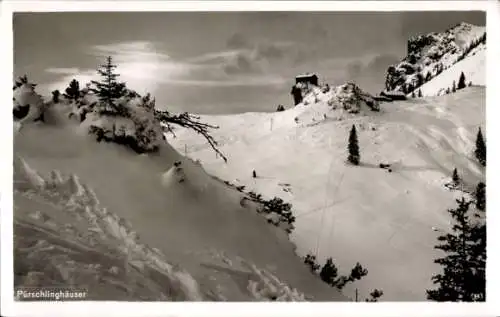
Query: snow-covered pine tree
[
  {"x": 480, "y": 150},
  {"x": 109, "y": 90},
  {"x": 21, "y": 81},
  {"x": 353, "y": 147}
]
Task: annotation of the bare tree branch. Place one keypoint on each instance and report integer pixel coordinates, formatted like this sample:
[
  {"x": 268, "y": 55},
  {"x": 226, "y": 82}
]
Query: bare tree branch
[{"x": 190, "y": 121}]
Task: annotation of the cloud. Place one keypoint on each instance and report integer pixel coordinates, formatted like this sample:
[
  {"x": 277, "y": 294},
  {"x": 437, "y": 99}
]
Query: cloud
[
  {"x": 369, "y": 71},
  {"x": 354, "y": 69},
  {"x": 64, "y": 71},
  {"x": 368, "y": 66},
  {"x": 242, "y": 64},
  {"x": 236, "y": 41},
  {"x": 214, "y": 58},
  {"x": 271, "y": 51},
  {"x": 145, "y": 69},
  {"x": 141, "y": 66}
]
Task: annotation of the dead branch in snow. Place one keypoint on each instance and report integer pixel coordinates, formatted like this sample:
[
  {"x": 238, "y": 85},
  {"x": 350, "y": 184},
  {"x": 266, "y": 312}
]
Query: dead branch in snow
[{"x": 190, "y": 121}]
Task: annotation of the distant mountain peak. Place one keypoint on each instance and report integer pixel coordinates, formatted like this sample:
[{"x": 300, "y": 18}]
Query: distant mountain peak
[{"x": 428, "y": 55}]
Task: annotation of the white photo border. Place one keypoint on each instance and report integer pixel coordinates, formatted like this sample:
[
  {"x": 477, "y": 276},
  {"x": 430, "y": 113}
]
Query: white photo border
[{"x": 122, "y": 309}]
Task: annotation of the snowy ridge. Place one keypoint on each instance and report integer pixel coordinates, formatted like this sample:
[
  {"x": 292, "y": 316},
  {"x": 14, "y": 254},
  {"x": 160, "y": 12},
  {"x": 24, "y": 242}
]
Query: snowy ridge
[{"x": 430, "y": 55}]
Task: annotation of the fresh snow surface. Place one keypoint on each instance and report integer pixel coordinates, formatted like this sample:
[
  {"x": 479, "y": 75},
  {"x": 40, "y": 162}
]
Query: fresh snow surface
[
  {"x": 97, "y": 215},
  {"x": 388, "y": 222}
]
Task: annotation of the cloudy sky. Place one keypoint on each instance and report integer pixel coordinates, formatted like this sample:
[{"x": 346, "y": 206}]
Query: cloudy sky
[{"x": 219, "y": 62}]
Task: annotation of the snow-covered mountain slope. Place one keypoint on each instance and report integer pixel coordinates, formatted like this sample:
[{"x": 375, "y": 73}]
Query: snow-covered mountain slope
[
  {"x": 188, "y": 240},
  {"x": 473, "y": 67},
  {"x": 382, "y": 219},
  {"x": 435, "y": 60}
]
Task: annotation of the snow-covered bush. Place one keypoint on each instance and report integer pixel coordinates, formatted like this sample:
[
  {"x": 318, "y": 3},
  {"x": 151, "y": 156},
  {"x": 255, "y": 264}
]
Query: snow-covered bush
[{"x": 27, "y": 103}]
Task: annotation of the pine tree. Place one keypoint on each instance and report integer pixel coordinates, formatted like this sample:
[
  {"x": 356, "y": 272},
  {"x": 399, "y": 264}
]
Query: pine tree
[
  {"x": 477, "y": 279},
  {"x": 454, "y": 87},
  {"x": 410, "y": 87},
  {"x": 480, "y": 151},
  {"x": 72, "y": 92},
  {"x": 413, "y": 94},
  {"x": 329, "y": 272},
  {"x": 439, "y": 69},
  {"x": 428, "y": 77},
  {"x": 461, "y": 81},
  {"x": 55, "y": 96},
  {"x": 353, "y": 147},
  {"x": 480, "y": 195},
  {"x": 420, "y": 79},
  {"x": 463, "y": 277},
  {"x": 311, "y": 262},
  {"x": 375, "y": 295},
  {"x": 420, "y": 93},
  {"x": 109, "y": 89},
  {"x": 455, "y": 177}
]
